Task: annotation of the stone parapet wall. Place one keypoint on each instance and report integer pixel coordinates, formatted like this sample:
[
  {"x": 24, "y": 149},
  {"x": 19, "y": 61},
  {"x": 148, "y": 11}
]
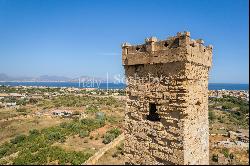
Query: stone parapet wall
[{"x": 177, "y": 48}]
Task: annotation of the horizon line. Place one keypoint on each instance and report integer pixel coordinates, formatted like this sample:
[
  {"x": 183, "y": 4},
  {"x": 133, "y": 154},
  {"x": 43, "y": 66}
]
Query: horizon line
[{"x": 121, "y": 83}]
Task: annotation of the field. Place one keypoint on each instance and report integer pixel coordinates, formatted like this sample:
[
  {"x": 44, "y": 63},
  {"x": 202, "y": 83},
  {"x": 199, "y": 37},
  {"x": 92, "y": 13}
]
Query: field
[
  {"x": 31, "y": 138},
  {"x": 31, "y": 133}
]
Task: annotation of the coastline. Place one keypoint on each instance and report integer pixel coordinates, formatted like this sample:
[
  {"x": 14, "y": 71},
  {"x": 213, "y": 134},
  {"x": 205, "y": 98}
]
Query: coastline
[{"x": 111, "y": 85}]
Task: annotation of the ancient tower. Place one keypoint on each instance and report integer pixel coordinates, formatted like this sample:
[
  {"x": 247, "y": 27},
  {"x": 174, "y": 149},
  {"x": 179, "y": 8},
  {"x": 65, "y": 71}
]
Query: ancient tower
[{"x": 166, "y": 119}]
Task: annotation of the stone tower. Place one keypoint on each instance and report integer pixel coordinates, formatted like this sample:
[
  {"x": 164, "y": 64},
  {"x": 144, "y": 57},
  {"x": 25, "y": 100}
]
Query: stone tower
[{"x": 166, "y": 119}]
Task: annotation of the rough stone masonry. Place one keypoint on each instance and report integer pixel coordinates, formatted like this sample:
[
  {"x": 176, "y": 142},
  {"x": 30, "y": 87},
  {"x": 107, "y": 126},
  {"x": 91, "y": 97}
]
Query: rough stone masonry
[{"x": 166, "y": 119}]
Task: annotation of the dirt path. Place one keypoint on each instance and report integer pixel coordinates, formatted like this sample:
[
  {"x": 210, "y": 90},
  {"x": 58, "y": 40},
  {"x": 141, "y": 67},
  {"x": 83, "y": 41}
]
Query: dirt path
[{"x": 93, "y": 160}]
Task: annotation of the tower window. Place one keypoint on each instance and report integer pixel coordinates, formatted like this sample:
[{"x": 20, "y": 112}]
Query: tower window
[{"x": 153, "y": 115}]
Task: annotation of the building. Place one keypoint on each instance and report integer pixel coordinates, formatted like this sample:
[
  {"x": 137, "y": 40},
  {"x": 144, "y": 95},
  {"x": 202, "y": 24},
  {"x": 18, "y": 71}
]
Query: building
[
  {"x": 3, "y": 95},
  {"x": 166, "y": 117},
  {"x": 16, "y": 95},
  {"x": 11, "y": 105},
  {"x": 240, "y": 135},
  {"x": 62, "y": 113}
]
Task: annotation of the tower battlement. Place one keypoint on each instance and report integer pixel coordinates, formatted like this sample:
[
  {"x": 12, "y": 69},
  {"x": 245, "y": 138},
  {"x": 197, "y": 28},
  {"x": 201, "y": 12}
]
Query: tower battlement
[{"x": 177, "y": 48}]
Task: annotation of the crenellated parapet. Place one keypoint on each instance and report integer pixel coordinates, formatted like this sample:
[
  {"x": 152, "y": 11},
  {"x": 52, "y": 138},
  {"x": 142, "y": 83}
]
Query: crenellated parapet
[{"x": 177, "y": 48}]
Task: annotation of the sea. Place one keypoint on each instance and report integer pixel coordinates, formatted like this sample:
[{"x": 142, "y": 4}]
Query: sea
[{"x": 211, "y": 86}]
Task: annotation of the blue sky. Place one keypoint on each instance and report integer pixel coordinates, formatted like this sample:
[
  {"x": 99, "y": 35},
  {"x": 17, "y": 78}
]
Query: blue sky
[{"x": 83, "y": 37}]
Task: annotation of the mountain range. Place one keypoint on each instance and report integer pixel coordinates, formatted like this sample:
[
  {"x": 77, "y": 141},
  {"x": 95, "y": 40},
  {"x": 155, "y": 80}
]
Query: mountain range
[{"x": 47, "y": 78}]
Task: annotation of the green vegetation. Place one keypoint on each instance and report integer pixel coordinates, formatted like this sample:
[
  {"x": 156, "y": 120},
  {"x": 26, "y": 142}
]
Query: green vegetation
[
  {"x": 36, "y": 148},
  {"x": 225, "y": 151},
  {"x": 111, "y": 135},
  {"x": 18, "y": 139},
  {"x": 92, "y": 109},
  {"x": 50, "y": 154},
  {"x": 79, "y": 101},
  {"x": 234, "y": 111},
  {"x": 9, "y": 100},
  {"x": 9, "y": 89},
  {"x": 44, "y": 146},
  {"x": 22, "y": 101},
  {"x": 6, "y": 114},
  {"x": 34, "y": 132},
  {"x": 215, "y": 158},
  {"x": 21, "y": 110},
  {"x": 83, "y": 134},
  {"x": 229, "y": 102},
  {"x": 119, "y": 150},
  {"x": 211, "y": 115}
]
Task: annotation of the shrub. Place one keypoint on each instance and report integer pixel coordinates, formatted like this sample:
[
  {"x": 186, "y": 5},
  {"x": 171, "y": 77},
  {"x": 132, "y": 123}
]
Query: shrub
[
  {"x": 7, "y": 148},
  {"x": 244, "y": 109},
  {"x": 226, "y": 106},
  {"x": 215, "y": 158},
  {"x": 225, "y": 151},
  {"x": 4, "y": 149},
  {"x": 83, "y": 133},
  {"x": 221, "y": 119},
  {"x": 92, "y": 109},
  {"x": 3, "y": 162},
  {"x": 23, "y": 158},
  {"x": 33, "y": 101},
  {"x": 119, "y": 150},
  {"x": 63, "y": 139},
  {"x": 21, "y": 102},
  {"x": 34, "y": 132},
  {"x": 111, "y": 135},
  {"x": 115, "y": 131},
  {"x": 100, "y": 115},
  {"x": 55, "y": 136},
  {"x": 76, "y": 113},
  {"x": 18, "y": 139},
  {"x": 120, "y": 147},
  {"x": 21, "y": 110},
  {"x": 231, "y": 156},
  {"x": 64, "y": 125},
  {"x": 92, "y": 124},
  {"x": 108, "y": 138},
  {"x": 113, "y": 119}
]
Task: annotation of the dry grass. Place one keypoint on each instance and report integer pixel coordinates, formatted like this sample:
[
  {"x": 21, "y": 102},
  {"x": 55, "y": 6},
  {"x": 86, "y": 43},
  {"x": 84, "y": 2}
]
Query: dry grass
[
  {"x": 93, "y": 142},
  {"x": 109, "y": 159},
  {"x": 11, "y": 128}
]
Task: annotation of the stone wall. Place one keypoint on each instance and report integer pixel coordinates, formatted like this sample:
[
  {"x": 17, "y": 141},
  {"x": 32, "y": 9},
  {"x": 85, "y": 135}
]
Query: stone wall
[{"x": 166, "y": 118}]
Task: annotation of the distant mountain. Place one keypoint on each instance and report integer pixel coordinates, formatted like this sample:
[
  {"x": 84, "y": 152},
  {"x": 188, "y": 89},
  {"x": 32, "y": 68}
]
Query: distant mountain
[
  {"x": 52, "y": 78},
  {"x": 47, "y": 78},
  {"x": 21, "y": 78},
  {"x": 88, "y": 78},
  {"x": 4, "y": 77}
]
